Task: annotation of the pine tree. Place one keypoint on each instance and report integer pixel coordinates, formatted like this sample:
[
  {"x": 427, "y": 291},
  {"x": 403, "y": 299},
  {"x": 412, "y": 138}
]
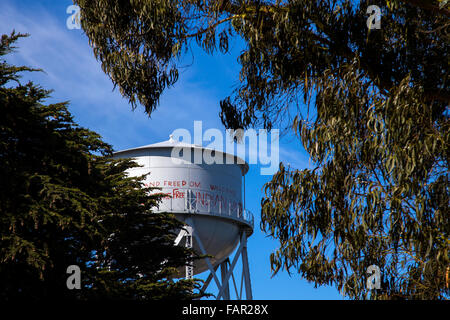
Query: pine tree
[{"x": 65, "y": 201}]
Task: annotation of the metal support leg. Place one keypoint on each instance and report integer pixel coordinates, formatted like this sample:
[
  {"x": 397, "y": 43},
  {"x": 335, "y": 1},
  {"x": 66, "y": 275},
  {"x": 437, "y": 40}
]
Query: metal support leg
[
  {"x": 246, "y": 269},
  {"x": 225, "y": 284}
]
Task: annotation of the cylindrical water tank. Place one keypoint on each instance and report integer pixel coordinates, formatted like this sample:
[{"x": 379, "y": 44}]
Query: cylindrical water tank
[{"x": 202, "y": 186}]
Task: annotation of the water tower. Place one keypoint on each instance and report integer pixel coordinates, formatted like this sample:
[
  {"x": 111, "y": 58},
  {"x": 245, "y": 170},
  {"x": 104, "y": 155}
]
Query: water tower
[{"x": 205, "y": 190}]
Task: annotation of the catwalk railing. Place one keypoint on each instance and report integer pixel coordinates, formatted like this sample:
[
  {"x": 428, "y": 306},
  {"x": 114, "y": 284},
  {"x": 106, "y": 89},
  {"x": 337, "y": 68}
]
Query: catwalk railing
[{"x": 192, "y": 204}]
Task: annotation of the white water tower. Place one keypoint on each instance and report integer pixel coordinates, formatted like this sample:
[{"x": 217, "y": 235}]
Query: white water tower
[{"x": 208, "y": 197}]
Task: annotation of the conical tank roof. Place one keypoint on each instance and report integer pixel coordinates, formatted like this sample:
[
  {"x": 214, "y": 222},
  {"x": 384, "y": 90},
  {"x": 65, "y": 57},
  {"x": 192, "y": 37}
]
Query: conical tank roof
[{"x": 172, "y": 143}]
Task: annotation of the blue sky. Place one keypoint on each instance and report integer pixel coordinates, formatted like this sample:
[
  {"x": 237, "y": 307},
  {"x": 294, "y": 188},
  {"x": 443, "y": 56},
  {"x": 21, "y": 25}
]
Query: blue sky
[{"x": 73, "y": 73}]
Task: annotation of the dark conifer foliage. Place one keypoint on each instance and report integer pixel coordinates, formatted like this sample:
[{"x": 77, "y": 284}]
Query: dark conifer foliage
[{"x": 65, "y": 201}]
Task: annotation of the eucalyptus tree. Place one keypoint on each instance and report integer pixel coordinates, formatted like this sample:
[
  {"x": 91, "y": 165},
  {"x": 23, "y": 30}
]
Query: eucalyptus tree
[{"x": 370, "y": 106}]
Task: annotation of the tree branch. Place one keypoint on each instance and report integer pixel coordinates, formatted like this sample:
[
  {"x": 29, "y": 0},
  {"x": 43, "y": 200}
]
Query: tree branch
[{"x": 426, "y": 5}]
